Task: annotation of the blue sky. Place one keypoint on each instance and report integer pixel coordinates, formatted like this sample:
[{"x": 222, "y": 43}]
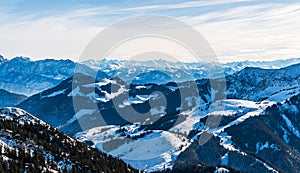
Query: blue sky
[{"x": 236, "y": 29}]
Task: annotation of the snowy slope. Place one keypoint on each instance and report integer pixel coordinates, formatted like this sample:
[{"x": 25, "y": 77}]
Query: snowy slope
[
  {"x": 258, "y": 84},
  {"x": 28, "y": 144},
  {"x": 154, "y": 151},
  {"x": 158, "y": 149},
  {"x": 264, "y": 128}
]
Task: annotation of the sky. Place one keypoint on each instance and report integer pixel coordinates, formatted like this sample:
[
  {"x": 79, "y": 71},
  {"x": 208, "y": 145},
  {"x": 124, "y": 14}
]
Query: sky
[{"x": 237, "y": 30}]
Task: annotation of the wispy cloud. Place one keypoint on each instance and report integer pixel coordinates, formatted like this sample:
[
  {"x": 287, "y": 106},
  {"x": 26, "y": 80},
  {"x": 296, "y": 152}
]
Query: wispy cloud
[
  {"x": 192, "y": 4},
  {"x": 255, "y": 32},
  {"x": 241, "y": 31},
  {"x": 53, "y": 36}
]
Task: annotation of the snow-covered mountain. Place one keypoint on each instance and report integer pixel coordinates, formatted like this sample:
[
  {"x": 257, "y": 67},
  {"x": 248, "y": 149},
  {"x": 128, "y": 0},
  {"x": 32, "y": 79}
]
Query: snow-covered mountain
[
  {"x": 276, "y": 64},
  {"x": 162, "y": 71},
  {"x": 26, "y": 77},
  {"x": 30, "y": 145},
  {"x": 251, "y": 139},
  {"x": 55, "y": 106},
  {"x": 258, "y": 84},
  {"x": 153, "y": 136},
  {"x": 2, "y": 59}
]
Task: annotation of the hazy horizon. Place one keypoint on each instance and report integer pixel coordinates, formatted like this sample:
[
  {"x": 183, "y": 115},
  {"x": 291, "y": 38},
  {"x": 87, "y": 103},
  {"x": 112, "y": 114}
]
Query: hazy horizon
[{"x": 142, "y": 60}]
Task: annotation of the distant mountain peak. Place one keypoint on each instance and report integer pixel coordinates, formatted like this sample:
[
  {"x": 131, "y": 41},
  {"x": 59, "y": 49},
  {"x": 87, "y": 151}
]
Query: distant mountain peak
[
  {"x": 2, "y": 59},
  {"x": 21, "y": 59}
]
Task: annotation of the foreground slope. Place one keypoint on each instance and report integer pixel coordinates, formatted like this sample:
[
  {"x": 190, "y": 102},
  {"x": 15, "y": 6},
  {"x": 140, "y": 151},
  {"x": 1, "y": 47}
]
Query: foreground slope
[{"x": 30, "y": 145}]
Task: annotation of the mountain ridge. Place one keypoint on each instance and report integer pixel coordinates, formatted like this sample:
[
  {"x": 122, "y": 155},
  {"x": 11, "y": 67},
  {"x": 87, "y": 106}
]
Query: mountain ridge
[{"x": 10, "y": 99}]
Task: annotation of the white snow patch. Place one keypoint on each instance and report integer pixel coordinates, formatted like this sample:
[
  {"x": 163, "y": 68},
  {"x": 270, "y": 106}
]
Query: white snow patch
[
  {"x": 140, "y": 87},
  {"x": 223, "y": 113},
  {"x": 259, "y": 108},
  {"x": 104, "y": 82},
  {"x": 109, "y": 96},
  {"x": 155, "y": 111},
  {"x": 224, "y": 159},
  {"x": 54, "y": 93},
  {"x": 285, "y": 135},
  {"x": 267, "y": 166},
  {"x": 290, "y": 125},
  {"x": 80, "y": 114},
  {"x": 172, "y": 88},
  {"x": 280, "y": 94},
  {"x": 260, "y": 146},
  {"x": 152, "y": 152},
  {"x": 221, "y": 170},
  {"x": 138, "y": 99},
  {"x": 226, "y": 142},
  {"x": 75, "y": 92}
]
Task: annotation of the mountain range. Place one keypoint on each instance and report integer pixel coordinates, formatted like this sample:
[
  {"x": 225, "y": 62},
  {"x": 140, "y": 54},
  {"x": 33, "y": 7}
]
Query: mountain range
[
  {"x": 154, "y": 115},
  {"x": 23, "y": 76},
  {"x": 246, "y": 138}
]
